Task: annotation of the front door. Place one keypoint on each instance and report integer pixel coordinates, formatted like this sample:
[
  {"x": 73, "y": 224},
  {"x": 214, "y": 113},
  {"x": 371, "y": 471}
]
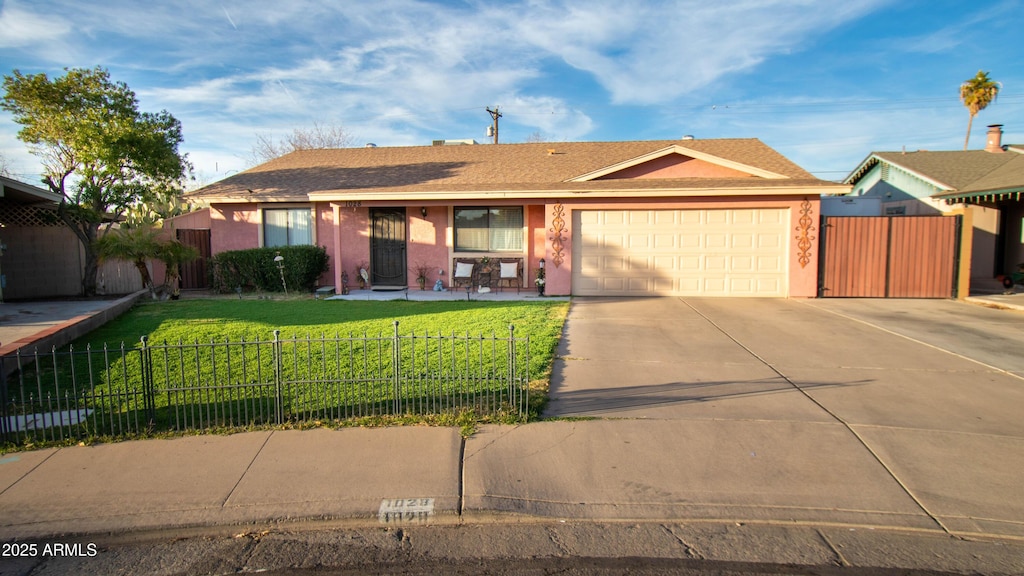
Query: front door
[{"x": 387, "y": 247}]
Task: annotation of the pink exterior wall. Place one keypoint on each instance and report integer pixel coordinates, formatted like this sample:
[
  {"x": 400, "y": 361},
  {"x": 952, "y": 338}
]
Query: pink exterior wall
[
  {"x": 536, "y": 243},
  {"x": 324, "y": 224},
  {"x": 427, "y": 244},
  {"x": 352, "y": 237},
  {"x": 198, "y": 220},
  {"x": 234, "y": 227}
]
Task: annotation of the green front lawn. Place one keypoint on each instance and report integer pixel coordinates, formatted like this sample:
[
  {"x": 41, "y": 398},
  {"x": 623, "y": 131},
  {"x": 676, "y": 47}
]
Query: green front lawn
[
  {"x": 203, "y": 321},
  {"x": 202, "y": 326}
]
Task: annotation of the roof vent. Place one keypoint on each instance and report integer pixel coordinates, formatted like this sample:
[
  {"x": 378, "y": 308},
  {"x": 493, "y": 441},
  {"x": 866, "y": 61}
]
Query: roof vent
[
  {"x": 370, "y": 145},
  {"x": 687, "y": 137},
  {"x": 456, "y": 142}
]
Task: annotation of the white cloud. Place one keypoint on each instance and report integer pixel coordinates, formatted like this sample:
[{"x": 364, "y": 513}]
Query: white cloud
[
  {"x": 649, "y": 53},
  {"x": 20, "y": 28}
]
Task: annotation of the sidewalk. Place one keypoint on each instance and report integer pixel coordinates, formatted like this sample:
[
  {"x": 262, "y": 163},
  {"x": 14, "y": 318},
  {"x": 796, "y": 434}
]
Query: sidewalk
[{"x": 598, "y": 488}]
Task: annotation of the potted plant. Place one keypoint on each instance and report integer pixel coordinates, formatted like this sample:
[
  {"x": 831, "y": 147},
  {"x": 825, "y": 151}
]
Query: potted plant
[
  {"x": 421, "y": 269},
  {"x": 539, "y": 281},
  {"x": 363, "y": 274}
]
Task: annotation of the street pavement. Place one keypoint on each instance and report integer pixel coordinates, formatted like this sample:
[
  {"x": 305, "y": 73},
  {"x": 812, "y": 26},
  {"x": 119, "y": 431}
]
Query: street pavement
[{"x": 813, "y": 419}]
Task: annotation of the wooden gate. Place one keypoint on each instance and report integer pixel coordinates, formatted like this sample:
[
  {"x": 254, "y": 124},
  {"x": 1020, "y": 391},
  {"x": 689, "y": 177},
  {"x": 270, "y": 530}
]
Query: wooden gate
[
  {"x": 889, "y": 256},
  {"x": 193, "y": 274}
]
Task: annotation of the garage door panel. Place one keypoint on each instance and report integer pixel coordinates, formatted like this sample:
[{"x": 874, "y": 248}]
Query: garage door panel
[
  {"x": 613, "y": 263},
  {"x": 665, "y": 217},
  {"x": 681, "y": 252},
  {"x": 716, "y": 216},
  {"x": 639, "y": 264},
  {"x": 769, "y": 264},
  {"x": 689, "y": 240},
  {"x": 741, "y": 240},
  {"x": 741, "y": 264},
  {"x": 741, "y": 217},
  {"x": 714, "y": 263},
  {"x": 640, "y": 241},
  {"x": 773, "y": 217},
  {"x": 639, "y": 218},
  {"x": 665, "y": 241},
  {"x": 714, "y": 286}
]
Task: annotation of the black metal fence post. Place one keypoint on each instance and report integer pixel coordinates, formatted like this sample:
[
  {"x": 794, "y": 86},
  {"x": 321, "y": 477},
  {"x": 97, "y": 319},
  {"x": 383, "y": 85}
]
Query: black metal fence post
[
  {"x": 148, "y": 391},
  {"x": 396, "y": 365},
  {"x": 278, "y": 377},
  {"x": 512, "y": 365},
  {"x": 5, "y": 412}
]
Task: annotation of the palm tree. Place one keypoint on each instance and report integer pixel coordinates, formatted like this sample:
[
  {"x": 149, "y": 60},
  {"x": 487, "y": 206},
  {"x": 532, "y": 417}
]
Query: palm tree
[
  {"x": 976, "y": 94},
  {"x": 136, "y": 245},
  {"x": 173, "y": 254}
]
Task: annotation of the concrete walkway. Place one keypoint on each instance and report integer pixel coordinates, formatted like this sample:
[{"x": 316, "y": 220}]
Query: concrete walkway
[{"x": 834, "y": 414}]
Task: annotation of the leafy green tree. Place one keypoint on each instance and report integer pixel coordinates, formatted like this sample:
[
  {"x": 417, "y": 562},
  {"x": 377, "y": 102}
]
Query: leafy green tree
[
  {"x": 976, "y": 94},
  {"x": 98, "y": 151}
]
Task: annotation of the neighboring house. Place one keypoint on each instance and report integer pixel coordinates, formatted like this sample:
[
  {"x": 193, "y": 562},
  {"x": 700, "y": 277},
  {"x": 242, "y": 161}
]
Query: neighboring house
[
  {"x": 984, "y": 185},
  {"x": 39, "y": 256},
  {"x": 723, "y": 217}
]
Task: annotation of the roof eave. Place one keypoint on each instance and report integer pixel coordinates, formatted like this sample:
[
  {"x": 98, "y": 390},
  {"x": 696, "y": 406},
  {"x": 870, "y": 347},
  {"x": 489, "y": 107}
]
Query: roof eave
[
  {"x": 875, "y": 159},
  {"x": 683, "y": 192}
]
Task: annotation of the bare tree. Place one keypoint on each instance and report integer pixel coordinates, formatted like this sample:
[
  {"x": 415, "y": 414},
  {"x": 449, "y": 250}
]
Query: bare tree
[
  {"x": 318, "y": 137},
  {"x": 535, "y": 138}
]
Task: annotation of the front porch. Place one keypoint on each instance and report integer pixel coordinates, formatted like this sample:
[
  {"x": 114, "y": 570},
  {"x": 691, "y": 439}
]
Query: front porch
[{"x": 415, "y": 294}]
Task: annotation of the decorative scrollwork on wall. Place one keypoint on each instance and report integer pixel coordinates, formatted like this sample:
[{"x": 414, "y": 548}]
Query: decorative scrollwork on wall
[
  {"x": 558, "y": 237},
  {"x": 804, "y": 240}
]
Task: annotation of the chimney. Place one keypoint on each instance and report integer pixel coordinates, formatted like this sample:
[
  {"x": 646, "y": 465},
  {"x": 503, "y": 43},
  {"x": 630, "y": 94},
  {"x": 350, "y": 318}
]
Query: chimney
[{"x": 994, "y": 141}]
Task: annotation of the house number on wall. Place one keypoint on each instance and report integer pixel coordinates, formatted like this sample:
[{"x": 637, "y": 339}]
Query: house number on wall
[{"x": 353, "y": 204}]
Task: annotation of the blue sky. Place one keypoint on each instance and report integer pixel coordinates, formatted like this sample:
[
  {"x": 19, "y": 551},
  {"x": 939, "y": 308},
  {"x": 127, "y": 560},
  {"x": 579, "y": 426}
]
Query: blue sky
[{"x": 823, "y": 82}]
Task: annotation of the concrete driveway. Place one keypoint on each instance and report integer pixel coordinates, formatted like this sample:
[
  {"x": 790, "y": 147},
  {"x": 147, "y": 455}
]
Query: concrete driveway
[
  {"x": 868, "y": 412},
  {"x": 920, "y": 363}
]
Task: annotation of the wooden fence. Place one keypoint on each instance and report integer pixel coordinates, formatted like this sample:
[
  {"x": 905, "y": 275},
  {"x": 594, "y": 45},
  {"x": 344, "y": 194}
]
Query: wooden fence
[{"x": 889, "y": 256}]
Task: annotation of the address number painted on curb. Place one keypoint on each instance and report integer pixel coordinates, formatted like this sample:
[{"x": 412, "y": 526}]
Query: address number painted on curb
[{"x": 404, "y": 510}]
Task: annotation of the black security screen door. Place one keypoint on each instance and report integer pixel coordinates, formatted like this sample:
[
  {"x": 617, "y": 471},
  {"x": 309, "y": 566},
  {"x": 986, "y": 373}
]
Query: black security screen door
[{"x": 387, "y": 247}]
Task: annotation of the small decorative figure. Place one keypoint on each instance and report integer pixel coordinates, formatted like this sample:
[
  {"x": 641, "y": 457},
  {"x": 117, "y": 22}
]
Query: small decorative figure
[{"x": 438, "y": 286}]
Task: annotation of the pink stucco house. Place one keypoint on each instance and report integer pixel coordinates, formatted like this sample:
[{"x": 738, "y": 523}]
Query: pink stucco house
[{"x": 720, "y": 217}]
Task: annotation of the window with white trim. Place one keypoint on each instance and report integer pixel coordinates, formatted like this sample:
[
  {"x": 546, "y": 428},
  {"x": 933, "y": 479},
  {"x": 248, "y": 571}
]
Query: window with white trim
[
  {"x": 287, "y": 227},
  {"x": 488, "y": 229}
]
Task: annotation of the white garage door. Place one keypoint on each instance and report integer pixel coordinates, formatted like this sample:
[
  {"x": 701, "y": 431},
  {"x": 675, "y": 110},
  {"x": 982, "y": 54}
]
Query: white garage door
[{"x": 680, "y": 252}]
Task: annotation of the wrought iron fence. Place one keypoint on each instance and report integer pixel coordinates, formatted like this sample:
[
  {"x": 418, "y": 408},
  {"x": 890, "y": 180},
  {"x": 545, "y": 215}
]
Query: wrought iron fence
[{"x": 69, "y": 394}]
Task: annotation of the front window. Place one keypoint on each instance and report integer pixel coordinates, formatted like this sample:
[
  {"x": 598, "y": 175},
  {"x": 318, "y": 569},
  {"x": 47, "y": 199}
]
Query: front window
[
  {"x": 287, "y": 227},
  {"x": 483, "y": 229}
]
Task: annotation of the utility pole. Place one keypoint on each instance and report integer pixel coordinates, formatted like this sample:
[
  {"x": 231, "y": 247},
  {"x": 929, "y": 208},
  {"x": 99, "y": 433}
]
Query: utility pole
[{"x": 493, "y": 131}]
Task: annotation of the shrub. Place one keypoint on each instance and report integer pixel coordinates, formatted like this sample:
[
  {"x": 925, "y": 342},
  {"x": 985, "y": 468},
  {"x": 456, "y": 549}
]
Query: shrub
[{"x": 255, "y": 268}]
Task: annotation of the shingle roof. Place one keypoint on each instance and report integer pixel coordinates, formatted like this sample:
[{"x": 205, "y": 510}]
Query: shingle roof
[
  {"x": 484, "y": 168},
  {"x": 963, "y": 172}
]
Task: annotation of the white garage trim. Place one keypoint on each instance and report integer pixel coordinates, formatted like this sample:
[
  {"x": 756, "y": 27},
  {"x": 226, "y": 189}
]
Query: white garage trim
[{"x": 721, "y": 252}]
